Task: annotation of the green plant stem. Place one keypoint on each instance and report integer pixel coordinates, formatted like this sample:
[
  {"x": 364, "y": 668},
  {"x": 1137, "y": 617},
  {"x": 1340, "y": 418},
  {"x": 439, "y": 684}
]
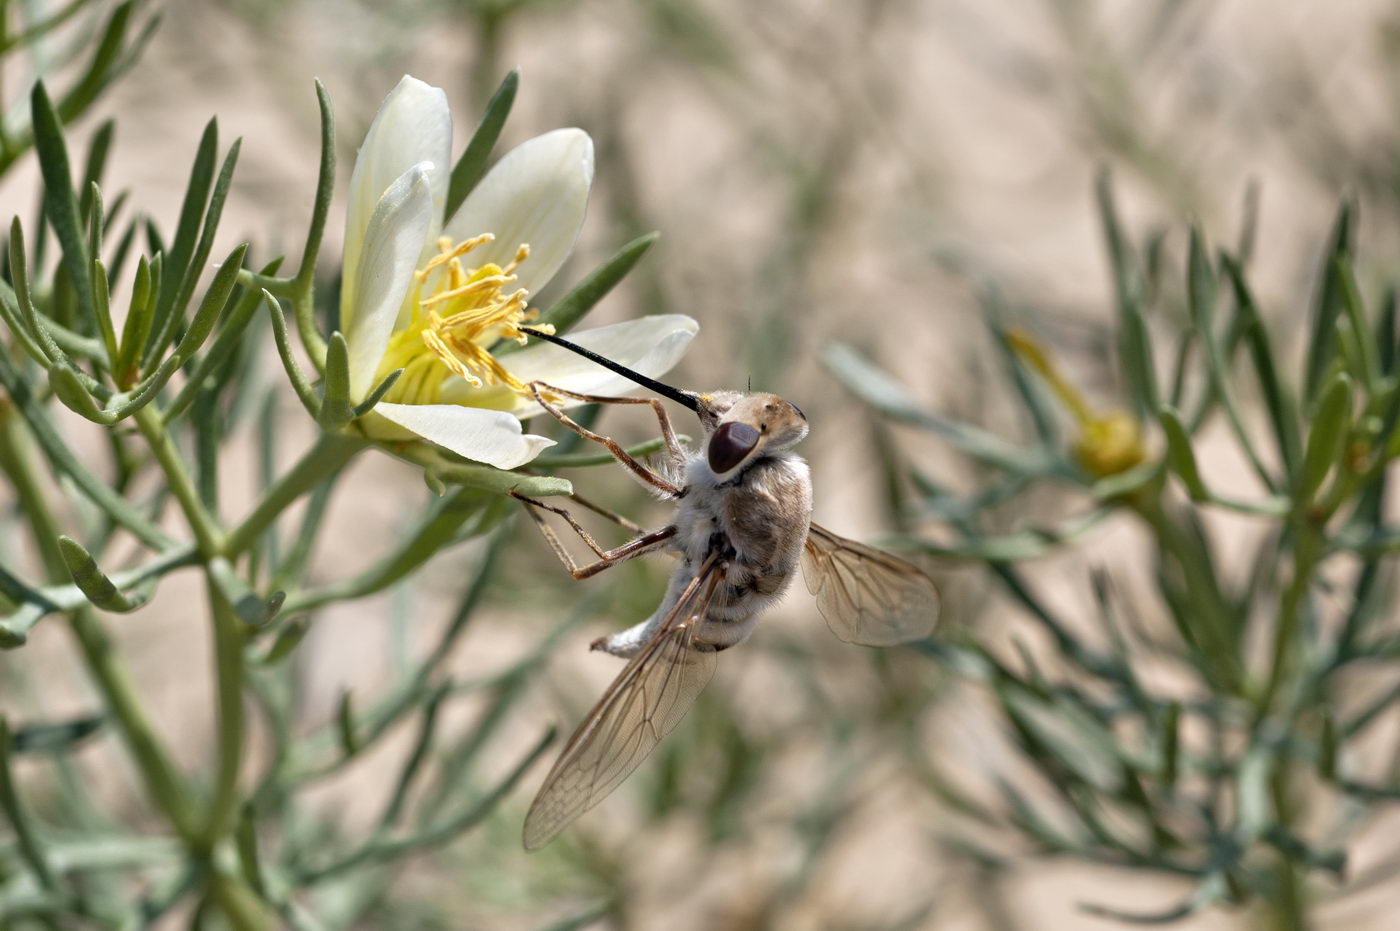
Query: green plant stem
[
  {"x": 206, "y": 531},
  {"x": 1307, "y": 551},
  {"x": 239, "y": 903},
  {"x": 1215, "y": 641},
  {"x": 230, "y": 673},
  {"x": 162, "y": 782},
  {"x": 329, "y": 453}
]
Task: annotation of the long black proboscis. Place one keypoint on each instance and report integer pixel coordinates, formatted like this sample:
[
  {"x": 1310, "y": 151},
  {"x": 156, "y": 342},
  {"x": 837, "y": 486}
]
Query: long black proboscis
[{"x": 666, "y": 391}]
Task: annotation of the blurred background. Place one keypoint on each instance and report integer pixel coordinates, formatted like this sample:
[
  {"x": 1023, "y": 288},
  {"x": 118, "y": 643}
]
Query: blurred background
[{"x": 870, "y": 172}]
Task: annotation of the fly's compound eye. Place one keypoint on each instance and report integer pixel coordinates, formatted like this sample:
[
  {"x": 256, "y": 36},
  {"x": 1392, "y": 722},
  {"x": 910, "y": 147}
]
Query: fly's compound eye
[{"x": 730, "y": 444}]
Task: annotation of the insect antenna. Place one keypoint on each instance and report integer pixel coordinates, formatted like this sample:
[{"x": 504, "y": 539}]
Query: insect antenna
[{"x": 666, "y": 391}]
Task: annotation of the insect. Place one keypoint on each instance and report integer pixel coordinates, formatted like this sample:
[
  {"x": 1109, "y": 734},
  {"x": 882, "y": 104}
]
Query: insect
[{"x": 742, "y": 524}]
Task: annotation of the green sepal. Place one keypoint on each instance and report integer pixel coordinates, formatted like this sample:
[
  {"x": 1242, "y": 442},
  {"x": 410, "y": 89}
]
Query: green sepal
[
  {"x": 94, "y": 583},
  {"x": 377, "y": 395},
  {"x": 336, "y": 410}
]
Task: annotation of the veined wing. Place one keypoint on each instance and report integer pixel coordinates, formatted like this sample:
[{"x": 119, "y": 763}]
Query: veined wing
[
  {"x": 642, "y": 705},
  {"x": 866, "y": 595}
]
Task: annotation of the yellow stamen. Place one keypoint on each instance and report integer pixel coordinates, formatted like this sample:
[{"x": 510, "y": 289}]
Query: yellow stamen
[{"x": 460, "y": 312}]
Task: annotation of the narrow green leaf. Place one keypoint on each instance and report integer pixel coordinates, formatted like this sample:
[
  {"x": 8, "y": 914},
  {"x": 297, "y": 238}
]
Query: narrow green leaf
[
  {"x": 300, "y": 384},
  {"x": 60, "y": 204},
  {"x": 98, "y": 150},
  {"x": 63, "y": 737},
  {"x": 572, "y": 307},
  {"x": 472, "y": 165},
  {"x": 200, "y": 256},
  {"x": 106, "y": 62},
  {"x": 1171, "y": 744},
  {"x": 250, "y": 608},
  {"x": 1028, "y": 387},
  {"x": 1327, "y": 435},
  {"x": 1134, "y": 339},
  {"x": 1322, "y": 341},
  {"x": 325, "y": 191},
  {"x": 26, "y": 323},
  {"x": 138, "y": 321},
  {"x": 230, "y": 337},
  {"x": 27, "y": 837},
  {"x": 64, "y": 462},
  {"x": 177, "y": 257},
  {"x": 1180, "y": 456},
  {"x": 94, "y": 583},
  {"x": 1201, "y": 294},
  {"x": 1368, "y": 356},
  {"x": 345, "y": 725},
  {"x": 1386, "y": 332},
  {"x": 246, "y": 839},
  {"x": 102, "y": 306},
  {"x": 1283, "y": 410},
  {"x": 288, "y": 638},
  {"x": 874, "y": 387},
  {"x": 1327, "y": 747}
]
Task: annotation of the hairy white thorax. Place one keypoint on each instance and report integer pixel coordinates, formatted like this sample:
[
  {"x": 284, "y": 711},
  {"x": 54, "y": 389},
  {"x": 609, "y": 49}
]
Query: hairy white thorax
[{"x": 757, "y": 521}]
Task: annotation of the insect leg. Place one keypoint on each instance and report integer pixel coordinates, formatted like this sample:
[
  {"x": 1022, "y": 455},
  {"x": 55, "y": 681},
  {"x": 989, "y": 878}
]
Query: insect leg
[
  {"x": 606, "y": 558},
  {"x": 668, "y": 435},
  {"x": 613, "y": 516}
]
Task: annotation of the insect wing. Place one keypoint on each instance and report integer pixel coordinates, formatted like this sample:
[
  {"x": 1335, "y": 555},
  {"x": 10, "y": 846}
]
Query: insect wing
[
  {"x": 642, "y": 705},
  {"x": 866, "y": 595}
]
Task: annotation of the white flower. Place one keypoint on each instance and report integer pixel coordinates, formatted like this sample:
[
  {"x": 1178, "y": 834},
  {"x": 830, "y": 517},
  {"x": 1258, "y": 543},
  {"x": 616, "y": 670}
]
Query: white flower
[{"x": 431, "y": 297}]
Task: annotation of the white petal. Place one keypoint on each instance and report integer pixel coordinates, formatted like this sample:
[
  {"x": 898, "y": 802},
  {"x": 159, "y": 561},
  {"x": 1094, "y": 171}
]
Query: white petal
[
  {"x": 413, "y": 125},
  {"x": 649, "y": 345},
  {"x": 492, "y": 437},
  {"x": 537, "y": 194},
  {"x": 393, "y": 239}
]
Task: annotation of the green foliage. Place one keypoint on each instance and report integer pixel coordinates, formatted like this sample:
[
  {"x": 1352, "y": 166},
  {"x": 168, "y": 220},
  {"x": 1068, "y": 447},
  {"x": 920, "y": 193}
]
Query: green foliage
[
  {"x": 176, "y": 380},
  {"x": 1210, "y": 782}
]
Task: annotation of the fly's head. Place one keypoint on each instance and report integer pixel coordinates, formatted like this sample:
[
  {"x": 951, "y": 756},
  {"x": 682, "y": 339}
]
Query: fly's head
[{"x": 741, "y": 428}]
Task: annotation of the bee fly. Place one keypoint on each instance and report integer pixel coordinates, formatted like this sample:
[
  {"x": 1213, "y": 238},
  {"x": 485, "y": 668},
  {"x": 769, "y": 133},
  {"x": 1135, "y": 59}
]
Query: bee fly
[{"x": 742, "y": 523}]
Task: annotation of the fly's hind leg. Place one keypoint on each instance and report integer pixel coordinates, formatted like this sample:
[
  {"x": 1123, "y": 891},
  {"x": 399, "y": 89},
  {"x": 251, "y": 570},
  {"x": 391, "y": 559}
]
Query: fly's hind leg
[
  {"x": 647, "y": 475},
  {"x": 606, "y": 558}
]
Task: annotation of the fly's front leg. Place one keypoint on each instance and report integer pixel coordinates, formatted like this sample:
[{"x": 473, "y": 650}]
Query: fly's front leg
[
  {"x": 668, "y": 435},
  {"x": 606, "y": 558}
]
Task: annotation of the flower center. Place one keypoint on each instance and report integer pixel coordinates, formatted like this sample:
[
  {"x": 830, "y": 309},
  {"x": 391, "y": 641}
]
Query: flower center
[{"x": 458, "y": 312}]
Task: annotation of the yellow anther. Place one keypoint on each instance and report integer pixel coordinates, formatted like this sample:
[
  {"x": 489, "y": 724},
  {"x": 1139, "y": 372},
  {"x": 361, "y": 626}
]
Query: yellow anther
[
  {"x": 447, "y": 252},
  {"x": 521, "y": 254},
  {"x": 481, "y": 284},
  {"x": 459, "y": 314}
]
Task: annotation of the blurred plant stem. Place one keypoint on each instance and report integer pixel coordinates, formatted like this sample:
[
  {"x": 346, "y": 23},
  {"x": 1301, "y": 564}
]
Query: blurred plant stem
[{"x": 164, "y": 787}]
